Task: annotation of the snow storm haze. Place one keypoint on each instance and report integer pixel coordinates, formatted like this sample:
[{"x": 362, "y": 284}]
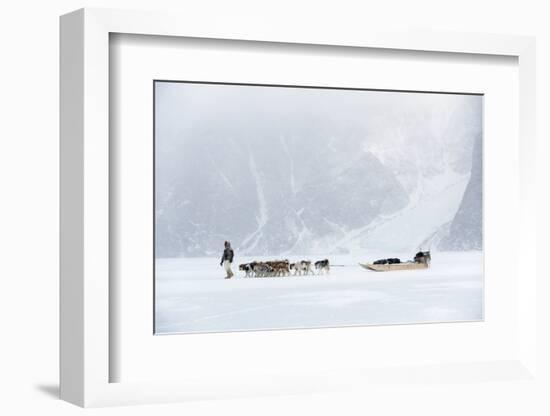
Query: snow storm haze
[{"x": 282, "y": 171}]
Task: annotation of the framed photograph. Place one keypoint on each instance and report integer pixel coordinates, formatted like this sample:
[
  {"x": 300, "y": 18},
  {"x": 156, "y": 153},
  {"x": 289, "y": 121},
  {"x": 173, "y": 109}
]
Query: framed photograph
[{"x": 246, "y": 213}]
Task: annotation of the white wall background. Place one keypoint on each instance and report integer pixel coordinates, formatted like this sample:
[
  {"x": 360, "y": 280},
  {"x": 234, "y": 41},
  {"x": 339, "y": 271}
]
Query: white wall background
[{"x": 29, "y": 209}]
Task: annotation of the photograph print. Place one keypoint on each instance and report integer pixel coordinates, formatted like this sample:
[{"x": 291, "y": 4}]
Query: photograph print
[{"x": 293, "y": 207}]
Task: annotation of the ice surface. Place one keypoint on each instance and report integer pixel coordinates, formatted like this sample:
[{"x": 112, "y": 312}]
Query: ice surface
[{"x": 192, "y": 295}]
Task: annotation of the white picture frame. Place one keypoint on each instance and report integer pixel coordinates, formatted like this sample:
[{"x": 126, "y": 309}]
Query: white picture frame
[{"x": 85, "y": 355}]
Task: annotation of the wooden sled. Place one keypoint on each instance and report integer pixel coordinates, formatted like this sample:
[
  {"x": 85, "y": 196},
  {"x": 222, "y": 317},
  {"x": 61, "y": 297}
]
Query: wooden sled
[{"x": 395, "y": 266}]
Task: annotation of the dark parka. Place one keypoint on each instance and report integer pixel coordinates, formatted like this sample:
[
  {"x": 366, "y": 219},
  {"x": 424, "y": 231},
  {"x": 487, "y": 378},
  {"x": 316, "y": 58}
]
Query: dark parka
[{"x": 227, "y": 254}]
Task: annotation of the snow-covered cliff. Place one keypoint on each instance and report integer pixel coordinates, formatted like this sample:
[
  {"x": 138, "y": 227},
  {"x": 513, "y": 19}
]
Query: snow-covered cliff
[{"x": 298, "y": 171}]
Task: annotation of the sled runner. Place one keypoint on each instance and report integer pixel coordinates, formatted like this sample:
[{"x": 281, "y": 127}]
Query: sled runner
[{"x": 410, "y": 265}]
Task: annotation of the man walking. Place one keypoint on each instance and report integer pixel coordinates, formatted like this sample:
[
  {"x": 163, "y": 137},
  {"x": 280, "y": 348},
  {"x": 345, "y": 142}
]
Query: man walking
[{"x": 227, "y": 259}]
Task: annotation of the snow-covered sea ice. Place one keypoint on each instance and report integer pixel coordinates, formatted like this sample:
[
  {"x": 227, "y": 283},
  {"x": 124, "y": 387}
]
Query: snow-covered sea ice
[{"x": 192, "y": 295}]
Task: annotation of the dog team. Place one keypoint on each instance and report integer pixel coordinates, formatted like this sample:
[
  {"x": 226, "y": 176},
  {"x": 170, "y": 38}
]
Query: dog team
[{"x": 276, "y": 268}]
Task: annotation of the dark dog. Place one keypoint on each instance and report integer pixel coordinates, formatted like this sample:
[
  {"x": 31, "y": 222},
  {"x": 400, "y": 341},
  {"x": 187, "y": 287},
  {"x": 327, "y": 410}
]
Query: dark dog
[
  {"x": 322, "y": 266},
  {"x": 247, "y": 269}
]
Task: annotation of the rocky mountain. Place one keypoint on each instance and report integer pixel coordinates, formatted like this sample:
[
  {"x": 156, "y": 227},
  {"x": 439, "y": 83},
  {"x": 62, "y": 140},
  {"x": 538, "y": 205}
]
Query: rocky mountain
[
  {"x": 465, "y": 231},
  {"x": 295, "y": 171}
]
